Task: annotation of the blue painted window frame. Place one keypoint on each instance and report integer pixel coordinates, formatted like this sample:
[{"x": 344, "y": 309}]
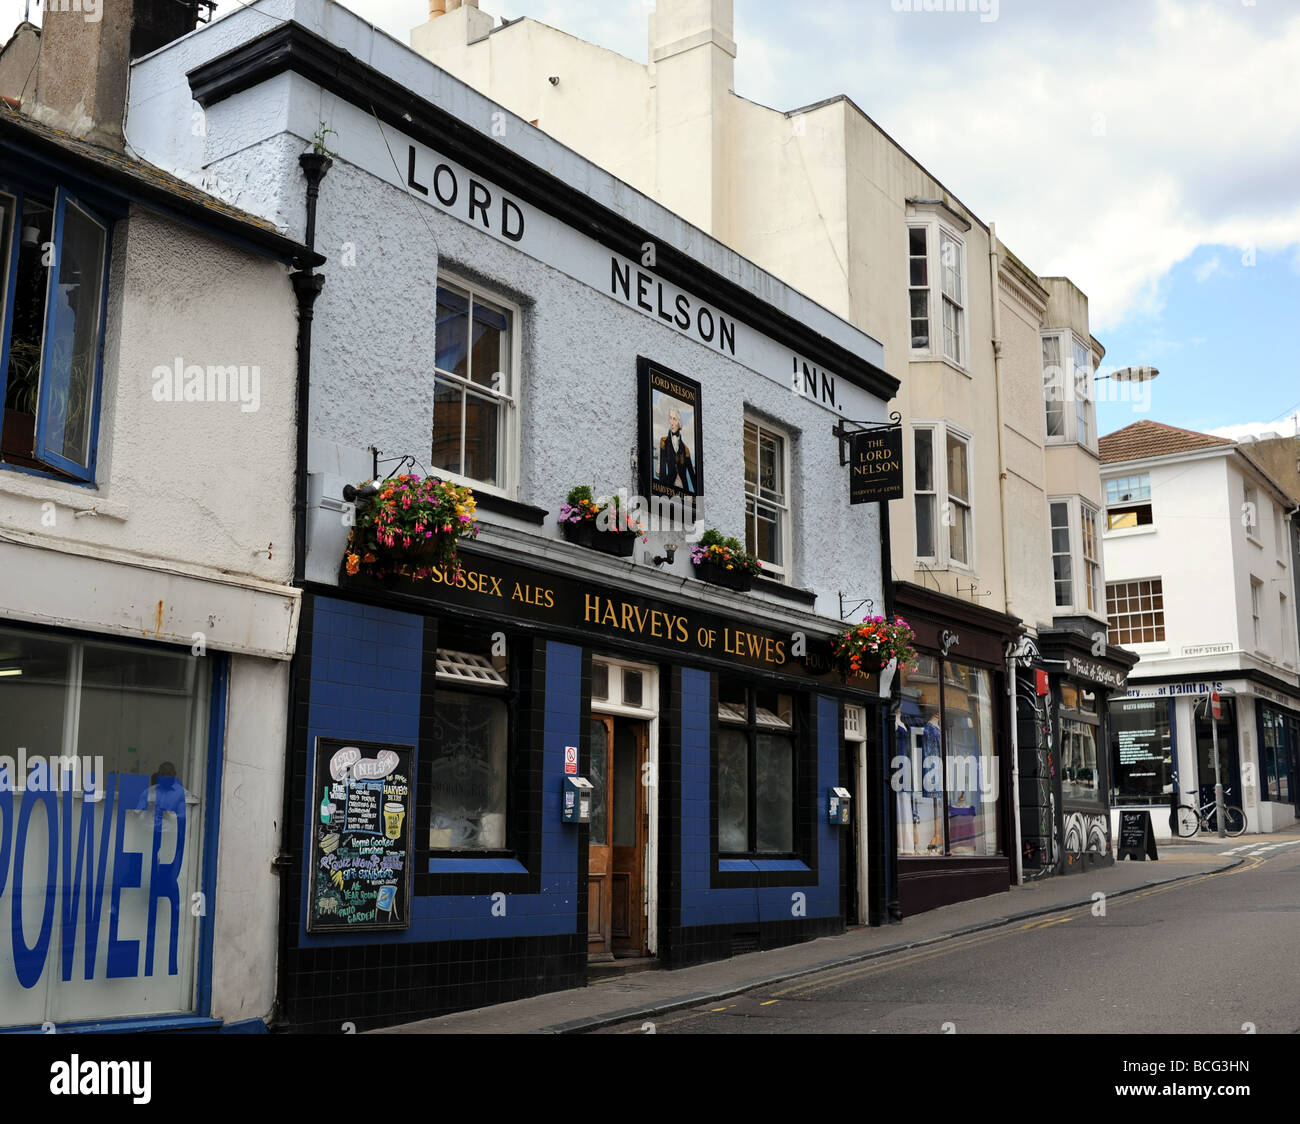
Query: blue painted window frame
[{"x": 55, "y": 464}]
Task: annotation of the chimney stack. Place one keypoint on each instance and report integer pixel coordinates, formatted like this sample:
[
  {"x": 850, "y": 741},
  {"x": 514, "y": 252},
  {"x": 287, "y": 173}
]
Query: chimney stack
[
  {"x": 85, "y": 60},
  {"x": 437, "y": 8}
]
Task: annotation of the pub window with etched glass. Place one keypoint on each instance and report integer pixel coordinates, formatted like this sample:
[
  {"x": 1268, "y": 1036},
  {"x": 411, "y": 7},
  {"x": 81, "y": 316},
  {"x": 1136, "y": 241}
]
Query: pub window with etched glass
[
  {"x": 945, "y": 769},
  {"x": 756, "y": 778},
  {"x": 468, "y": 771}
]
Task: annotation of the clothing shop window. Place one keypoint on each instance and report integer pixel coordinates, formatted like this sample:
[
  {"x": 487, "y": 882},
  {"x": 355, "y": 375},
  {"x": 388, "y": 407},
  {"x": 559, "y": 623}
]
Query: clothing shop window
[
  {"x": 1080, "y": 778},
  {"x": 945, "y": 771},
  {"x": 476, "y": 390},
  {"x": 1142, "y": 753},
  {"x": 767, "y": 498},
  {"x": 53, "y": 258},
  {"x": 468, "y": 758},
  {"x": 756, "y": 780},
  {"x": 109, "y": 806}
]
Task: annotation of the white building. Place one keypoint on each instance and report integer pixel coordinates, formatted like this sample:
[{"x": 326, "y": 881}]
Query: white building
[
  {"x": 1199, "y": 582},
  {"x": 148, "y": 372}
]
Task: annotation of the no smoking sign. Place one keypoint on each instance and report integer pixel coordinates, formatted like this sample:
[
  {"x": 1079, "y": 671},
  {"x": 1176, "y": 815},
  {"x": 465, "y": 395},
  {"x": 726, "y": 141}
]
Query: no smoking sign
[{"x": 571, "y": 760}]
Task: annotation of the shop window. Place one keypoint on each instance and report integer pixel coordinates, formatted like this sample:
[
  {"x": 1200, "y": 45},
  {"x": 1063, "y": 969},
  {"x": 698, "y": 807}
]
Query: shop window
[
  {"x": 1142, "y": 753},
  {"x": 1228, "y": 760},
  {"x": 945, "y": 771},
  {"x": 1274, "y": 755},
  {"x": 1136, "y": 611},
  {"x": 476, "y": 387},
  {"x": 756, "y": 754},
  {"x": 108, "y": 818},
  {"x": 468, "y": 758},
  {"x": 767, "y": 498},
  {"x": 53, "y": 257},
  {"x": 1080, "y": 778}
]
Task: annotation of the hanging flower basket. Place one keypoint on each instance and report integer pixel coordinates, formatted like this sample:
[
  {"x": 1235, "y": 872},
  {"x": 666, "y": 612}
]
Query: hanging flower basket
[
  {"x": 599, "y": 524},
  {"x": 863, "y": 649},
  {"x": 411, "y": 527},
  {"x": 723, "y": 561}
]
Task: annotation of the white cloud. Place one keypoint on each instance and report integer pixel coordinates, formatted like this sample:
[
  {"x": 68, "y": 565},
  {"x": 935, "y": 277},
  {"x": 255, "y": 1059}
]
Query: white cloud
[
  {"x": 1207, "y": 269},
  {"x": 1108, "y": 140},
  {"x": 1284, "y": 427}
]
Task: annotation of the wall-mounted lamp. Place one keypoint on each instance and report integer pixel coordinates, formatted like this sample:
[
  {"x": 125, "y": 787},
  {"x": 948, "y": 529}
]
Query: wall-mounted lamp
[
  {"x": 554, "y": 80},
  {"x": 670, "y": 551}
]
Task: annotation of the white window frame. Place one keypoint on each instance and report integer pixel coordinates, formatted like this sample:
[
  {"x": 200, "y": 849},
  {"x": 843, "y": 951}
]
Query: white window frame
[
  {"x": 1256, "y": 595},
  {"x": 1067, "y": 553},
  {"x": 508, "y": 472},
  {"x": 1139, "y": 496},
  {"x": 1082, "y": 567},
  {"x": 1250, "y": 506},
  {"x": 784, "y": 572},
  {"x": 1121, "y": 620},
  {"x": 936, "y": 231},
  {"x": 941, "y": 430},
  {"x": 1078, "y": 398}
]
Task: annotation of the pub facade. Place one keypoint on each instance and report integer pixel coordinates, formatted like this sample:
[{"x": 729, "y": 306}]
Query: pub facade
[{"x": 574, "y": 743}]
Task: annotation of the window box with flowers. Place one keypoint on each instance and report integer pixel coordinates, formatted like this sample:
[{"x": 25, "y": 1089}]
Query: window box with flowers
[
  {"x": 866, "y": 648},
  {"x": 723, "y": 561},
  {"x": 409, "y": 527},
  {"x": 599, "y": 524}
]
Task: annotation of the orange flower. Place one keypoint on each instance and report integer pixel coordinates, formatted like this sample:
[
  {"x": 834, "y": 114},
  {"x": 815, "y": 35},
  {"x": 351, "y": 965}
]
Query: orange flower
[{"x": 353, "y": 567}]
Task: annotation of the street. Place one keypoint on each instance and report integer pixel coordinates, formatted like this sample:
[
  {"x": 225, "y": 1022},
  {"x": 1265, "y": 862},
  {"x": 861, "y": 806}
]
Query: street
[{"x": 1212, "y": 954}]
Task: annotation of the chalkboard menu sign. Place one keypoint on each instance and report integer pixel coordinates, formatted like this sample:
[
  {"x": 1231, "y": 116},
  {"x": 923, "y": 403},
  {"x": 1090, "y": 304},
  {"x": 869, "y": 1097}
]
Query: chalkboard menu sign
[
  {"x": 1137, "y": 840},
  {"x": 360, "y": 862}
]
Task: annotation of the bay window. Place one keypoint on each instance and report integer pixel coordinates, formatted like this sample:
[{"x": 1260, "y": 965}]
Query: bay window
[
  {"x": 53, "y": 262},
  {"x": 1076, "y": 555},
  {"x": 1070, "y": 413},
  {"x": 934, "y": 250}
]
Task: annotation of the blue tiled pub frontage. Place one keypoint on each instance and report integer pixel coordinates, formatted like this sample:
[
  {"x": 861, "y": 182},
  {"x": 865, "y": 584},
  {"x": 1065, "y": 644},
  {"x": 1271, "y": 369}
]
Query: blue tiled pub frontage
[{"x": 708, "y": 832}]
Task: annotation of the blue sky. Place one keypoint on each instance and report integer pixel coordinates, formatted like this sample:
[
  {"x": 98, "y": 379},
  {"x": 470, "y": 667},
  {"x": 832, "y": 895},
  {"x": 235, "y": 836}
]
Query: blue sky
[{"x": 1142, "y": 148}]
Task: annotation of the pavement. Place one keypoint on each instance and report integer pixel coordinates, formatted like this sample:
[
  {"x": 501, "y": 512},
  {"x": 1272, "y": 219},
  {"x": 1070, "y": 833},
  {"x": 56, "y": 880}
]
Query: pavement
[{"x": 644, "y": 995}]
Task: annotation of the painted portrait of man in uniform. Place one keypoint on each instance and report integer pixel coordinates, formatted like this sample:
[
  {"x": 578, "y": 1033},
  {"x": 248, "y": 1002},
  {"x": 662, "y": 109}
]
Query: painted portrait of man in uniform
[{"x": 671, "y": 433}]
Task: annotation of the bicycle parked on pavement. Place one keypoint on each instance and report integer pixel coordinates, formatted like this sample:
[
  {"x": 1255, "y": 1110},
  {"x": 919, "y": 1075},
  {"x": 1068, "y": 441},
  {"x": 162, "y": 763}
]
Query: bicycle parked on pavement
[{"x": 1188, "y": 819}]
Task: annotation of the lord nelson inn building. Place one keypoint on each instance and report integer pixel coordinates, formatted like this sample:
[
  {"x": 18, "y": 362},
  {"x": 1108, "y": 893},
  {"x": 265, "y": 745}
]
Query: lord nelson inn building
[{"x": 577, "y": 746}]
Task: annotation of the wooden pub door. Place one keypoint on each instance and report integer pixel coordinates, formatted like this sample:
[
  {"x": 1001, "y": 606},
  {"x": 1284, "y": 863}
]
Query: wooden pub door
[{"x": 616, "y": 868}]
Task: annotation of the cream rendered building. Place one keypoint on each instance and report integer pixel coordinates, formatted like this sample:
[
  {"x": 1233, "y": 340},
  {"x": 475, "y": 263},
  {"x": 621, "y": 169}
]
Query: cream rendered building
[{"x": 826, "y": 200}]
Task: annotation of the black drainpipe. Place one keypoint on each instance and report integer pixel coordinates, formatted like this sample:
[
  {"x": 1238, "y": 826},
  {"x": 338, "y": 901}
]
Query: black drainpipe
[{"x": 307, "y": 285}]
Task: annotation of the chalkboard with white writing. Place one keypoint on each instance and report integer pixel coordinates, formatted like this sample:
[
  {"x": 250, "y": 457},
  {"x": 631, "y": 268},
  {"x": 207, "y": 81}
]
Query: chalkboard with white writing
[
  {"x": 360, "y": 863},
  {"x": 1137, "y": 840}
]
